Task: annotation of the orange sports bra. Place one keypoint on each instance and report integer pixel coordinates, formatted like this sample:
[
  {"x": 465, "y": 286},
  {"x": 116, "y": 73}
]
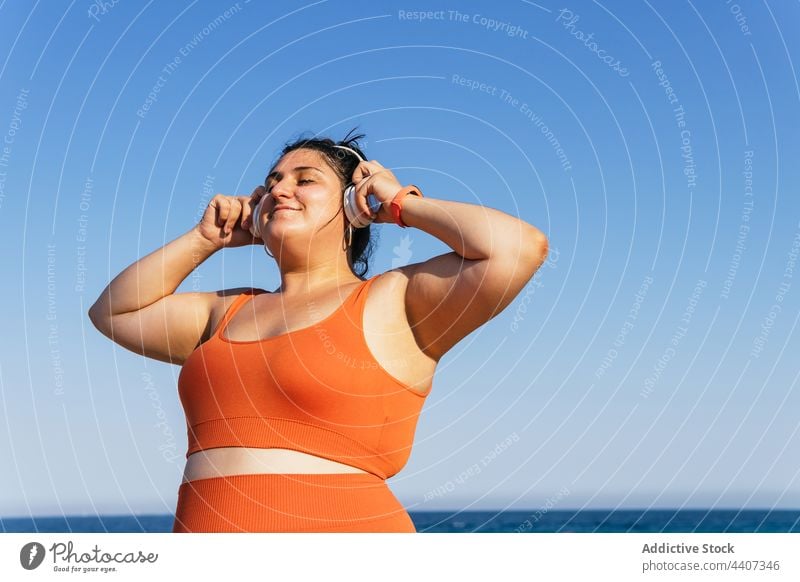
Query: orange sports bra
[{"x": 317, "y": 390}]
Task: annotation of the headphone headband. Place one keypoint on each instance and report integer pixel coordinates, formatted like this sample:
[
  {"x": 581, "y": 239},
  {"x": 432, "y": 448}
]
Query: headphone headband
[{"x": 352, "y": 151}]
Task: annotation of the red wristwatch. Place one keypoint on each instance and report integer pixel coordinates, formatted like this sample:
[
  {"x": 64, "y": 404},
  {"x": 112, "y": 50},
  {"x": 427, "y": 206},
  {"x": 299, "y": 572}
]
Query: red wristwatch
[{"x": 397, "y": 203}]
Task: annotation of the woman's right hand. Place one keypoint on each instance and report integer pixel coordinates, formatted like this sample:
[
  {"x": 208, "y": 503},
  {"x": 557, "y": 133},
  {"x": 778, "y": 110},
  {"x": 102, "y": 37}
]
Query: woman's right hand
[{"x": 226, "y": 220}]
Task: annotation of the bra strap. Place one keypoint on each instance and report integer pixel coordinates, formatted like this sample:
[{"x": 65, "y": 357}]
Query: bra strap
[{"x": 360, "y": 299}]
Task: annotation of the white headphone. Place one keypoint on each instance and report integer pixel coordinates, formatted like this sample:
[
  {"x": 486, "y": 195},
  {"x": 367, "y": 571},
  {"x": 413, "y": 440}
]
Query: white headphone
[
  {"x": 348, "y": 201},
  {"x": 255, "y": 224}
]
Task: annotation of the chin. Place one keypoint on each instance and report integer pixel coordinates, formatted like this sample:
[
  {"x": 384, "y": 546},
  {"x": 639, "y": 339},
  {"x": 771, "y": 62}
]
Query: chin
[{"x": 282, "y": 229}]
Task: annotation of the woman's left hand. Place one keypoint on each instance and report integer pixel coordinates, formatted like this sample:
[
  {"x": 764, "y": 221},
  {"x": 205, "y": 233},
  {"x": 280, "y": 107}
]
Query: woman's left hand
[{"x": 371, "y": 178}]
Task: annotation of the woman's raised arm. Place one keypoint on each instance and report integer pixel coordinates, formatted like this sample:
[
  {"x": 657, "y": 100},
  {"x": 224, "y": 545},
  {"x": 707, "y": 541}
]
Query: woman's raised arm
[
  {"x": 450, "y": 295},
  {"x": 447, "y": 297},
  {"x": 139, "y": 309}
]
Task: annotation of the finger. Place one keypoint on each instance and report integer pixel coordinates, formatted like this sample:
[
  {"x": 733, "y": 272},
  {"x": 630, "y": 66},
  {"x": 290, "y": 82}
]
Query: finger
[
  {"x": 233, "y": 215},
  {"x": 362, "y": 187},
  {"x": 247, "y": 211},
  {"x": 258, "y": 193},
  {"x": 361, "y": 201},
  {"x": 361, "y": 172},
  {"x": 362, "y": 190},
  {"x": 221, "y": 204}
]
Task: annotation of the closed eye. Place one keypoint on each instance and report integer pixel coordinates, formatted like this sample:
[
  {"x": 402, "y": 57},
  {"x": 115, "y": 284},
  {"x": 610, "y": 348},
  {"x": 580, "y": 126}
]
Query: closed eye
[{"x": 269, "y": 190}]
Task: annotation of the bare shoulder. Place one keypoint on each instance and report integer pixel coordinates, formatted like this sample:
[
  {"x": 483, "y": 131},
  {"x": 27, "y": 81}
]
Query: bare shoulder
[
  {"x": 222, "y": 300},
  {"x": 389, "y": 335},
  {"x": 391, "y": 285},
  {"x": 448, "y": 296},
  {"x": 388, "y": 294}
]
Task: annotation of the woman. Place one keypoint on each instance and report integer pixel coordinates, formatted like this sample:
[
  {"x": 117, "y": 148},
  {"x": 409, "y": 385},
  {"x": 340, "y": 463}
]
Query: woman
[{"x": 302, "y": 401}]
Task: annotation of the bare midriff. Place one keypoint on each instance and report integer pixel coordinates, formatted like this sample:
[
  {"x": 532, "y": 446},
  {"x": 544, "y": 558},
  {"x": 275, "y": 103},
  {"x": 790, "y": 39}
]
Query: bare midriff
[{"x": 227, "y": 461}]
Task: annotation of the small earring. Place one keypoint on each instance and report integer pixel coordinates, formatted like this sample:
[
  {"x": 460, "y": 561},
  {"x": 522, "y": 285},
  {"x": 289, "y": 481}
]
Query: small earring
[{"x": 266, "y": 250}]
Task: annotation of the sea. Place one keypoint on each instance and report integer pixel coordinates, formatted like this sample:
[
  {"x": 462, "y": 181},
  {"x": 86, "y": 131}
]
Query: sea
[{"x": 534, "y": 521}]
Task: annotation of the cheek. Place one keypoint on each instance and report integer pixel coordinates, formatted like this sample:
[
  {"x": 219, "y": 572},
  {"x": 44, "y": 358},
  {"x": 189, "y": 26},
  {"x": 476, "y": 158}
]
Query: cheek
[{"x": 323, "y": 201}]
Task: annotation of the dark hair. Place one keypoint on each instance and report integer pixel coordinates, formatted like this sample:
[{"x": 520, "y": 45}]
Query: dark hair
[{"x": 343, "y": 163}]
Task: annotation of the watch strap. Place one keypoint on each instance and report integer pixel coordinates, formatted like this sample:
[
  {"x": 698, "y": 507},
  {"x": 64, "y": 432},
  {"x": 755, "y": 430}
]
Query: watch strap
[{"x": 397, "y": 203}]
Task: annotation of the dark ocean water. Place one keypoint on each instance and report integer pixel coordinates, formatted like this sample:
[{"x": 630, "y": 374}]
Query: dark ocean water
[{"x": 594, "y": 521}]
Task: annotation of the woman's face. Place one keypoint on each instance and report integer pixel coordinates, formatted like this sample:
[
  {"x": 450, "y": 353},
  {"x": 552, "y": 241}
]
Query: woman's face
[{"x": 303, "y": 197}]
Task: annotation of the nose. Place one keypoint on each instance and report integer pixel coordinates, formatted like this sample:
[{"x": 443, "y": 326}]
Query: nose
[{"x": 279, "y": 190}]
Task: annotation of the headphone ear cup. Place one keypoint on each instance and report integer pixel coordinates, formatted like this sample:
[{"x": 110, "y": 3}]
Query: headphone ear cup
[
  {"x": 255, "y": 222},
  {"x": 351, "y": 211}
]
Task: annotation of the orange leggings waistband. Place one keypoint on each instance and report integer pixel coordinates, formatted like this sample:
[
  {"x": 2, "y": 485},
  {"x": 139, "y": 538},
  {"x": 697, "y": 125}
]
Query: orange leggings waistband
[{"x": 271, "y": 502}]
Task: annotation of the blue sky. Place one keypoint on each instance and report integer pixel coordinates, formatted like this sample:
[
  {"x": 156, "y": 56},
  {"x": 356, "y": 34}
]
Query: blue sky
[{"x": 647, "y": 364}]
